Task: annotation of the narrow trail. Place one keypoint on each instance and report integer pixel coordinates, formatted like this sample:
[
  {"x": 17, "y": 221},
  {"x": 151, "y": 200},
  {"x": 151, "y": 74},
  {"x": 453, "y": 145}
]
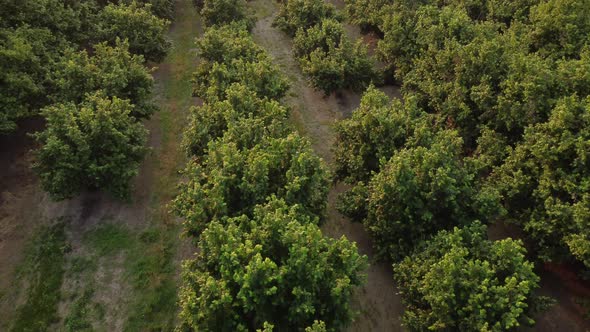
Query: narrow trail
[{"x": 314, "y": 115}]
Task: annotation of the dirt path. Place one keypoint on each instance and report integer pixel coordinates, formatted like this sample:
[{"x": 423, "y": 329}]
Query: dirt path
[
  {"x": 314, "y": 115},
  {"x": 125, "y": 255}
]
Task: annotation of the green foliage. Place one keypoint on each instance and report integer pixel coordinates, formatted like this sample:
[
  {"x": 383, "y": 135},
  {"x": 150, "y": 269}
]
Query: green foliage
[
  {"x": 420, "y": 191},
  {"x": 221, "y": 12},
  {"x": 468, "y": 65},
  {"x": 375, "y": 132},
  {"x": 67, "y": 20},
  {"x": 136, "y": 23},
  {"x": 228, "y": 42},
  {"x": 560, "y": 28},
  {"x": 242, "y": 115},
  {"x": 545, "y": 181},
  {"x": 230, "y": 182},
  {"x": 34, "y": 35},
  {"x": 231, "y": 56},
  {"x": 317, "y": 326},
  {"x": 212, "y": 79},
  {"x": 331, "y": 60},
  {"x": 474, "y": 76},
  {"x": 367, "y": 13},
  {"x": 325, "y": 35},
  {"x": 93, "y": 145},
  {"x": 303, "y": 14},
  {"x": 325, "y": 53},
  {"x": 160, "y": 8},
  {"x": 45, "y": 273},
  {"x": 114, "y": 70},
  {"x": 275, "y": 269},
  {"x": 24, "y": 53},
  {"x": 461, "y": 281},
  {"x": 253, "y": 196}
]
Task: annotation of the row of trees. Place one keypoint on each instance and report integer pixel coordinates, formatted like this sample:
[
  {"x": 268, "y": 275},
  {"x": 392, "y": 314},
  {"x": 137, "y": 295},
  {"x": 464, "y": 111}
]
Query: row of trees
[
  {"x": 82, "y": 66},
  {"x": 253, "y": 198},
  {"x": 324, "y": 51},
  {"x": 421, "y": 199},
  {"x": 493, "y": 126},
  {"x": 511, "y": 79}
]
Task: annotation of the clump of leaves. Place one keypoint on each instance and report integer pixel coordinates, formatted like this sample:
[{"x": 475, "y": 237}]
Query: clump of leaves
[
  {"x": 94, "y": 145},
  {"x": 274, "y": 269},
  {"x": 461, "y": 281}
]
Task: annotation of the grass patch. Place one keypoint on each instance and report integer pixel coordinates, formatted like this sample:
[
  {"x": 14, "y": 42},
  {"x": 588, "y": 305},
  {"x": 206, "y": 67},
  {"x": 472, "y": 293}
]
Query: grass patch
[
  {"x": 79, "y": 265},
  {"x": 149, "y": 270},
  {"x": 44, "y": 272},
  {"x": 109, "y": 238},
  {"x": 151, "y": 273},
  {"x": 77, "y": 320}
]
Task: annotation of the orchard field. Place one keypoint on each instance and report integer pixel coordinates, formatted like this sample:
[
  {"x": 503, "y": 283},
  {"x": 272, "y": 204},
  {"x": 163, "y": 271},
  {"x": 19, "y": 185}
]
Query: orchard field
[{"x": 294, "y": 165}]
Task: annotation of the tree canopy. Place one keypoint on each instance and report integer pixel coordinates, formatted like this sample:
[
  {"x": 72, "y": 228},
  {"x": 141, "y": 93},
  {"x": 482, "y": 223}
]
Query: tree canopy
[
  {"x": 274, "y": 268},
  {"x": 420, "y": 191},
  {"x": 96, "y": 144},
  {"x": 324, "y": 51},
  {"x": 545, "y": 181},
  {"x": 145, "y": 32},
  {"x": 253, "y": 197},
  {"x": 303, "y": 14},
  {"x": 114, "y": 70},
  {"x": 497, "y": 73},
  {"x": 243, "y": 116},
  {"x": 461, "y": 281},
  {"x": 230, "y": 182},
  {"x": 41, "y": 39},
  {"x": 377, "y": 129}
]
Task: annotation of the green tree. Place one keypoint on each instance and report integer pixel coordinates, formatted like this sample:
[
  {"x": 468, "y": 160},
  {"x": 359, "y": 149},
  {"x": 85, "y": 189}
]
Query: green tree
[
  {"x": 220, "y": 12},
  {"x": 211, "y": 80},
  {"x": 135, "y": 22},
  {"x": 67, "y": 20},
  {"x": 230, "y": 181},
  {"x": 160, "y": 8},
  {"x": 573, "y": 75},
  {"x": 24, "y": 57},
  {"x": 545, "y": 182},
  {"x": 114, "y": 70},
  {"x": 560, "y": 28},
  {"x": 375, "y": 132},
  {"x": 368, "y": 14},
  {"x": 420, "y": 191},
  {"x": 327, "y": 33},
  {"x": 460, "y": 281},
  {"x": 303, "y": 14},
  {"x": 242, "y": 115},
  {"x": 94, "y": 145},
  {"x": 330, "y": 60},
  {"x": 228, "y": 42},
  {"x": 275, "y": 269}
]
